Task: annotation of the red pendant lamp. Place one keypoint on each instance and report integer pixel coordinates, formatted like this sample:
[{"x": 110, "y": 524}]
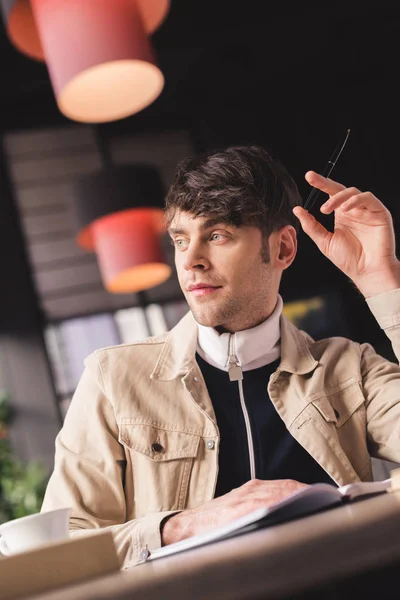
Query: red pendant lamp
[
  {"x": 120, "y": 216},
  {"x": 128, "y": 249},
  {"x": 23, "y": 32}
]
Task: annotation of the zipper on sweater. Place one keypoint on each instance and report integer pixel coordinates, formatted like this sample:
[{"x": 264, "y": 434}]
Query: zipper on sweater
[{"x": 236, "y": 374}]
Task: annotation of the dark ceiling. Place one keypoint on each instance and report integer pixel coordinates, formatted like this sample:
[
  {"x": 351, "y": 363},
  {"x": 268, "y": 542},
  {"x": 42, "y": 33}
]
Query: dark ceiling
[
  {"x": 242, "y": 69},
  {"x": 290, "y": 76}
]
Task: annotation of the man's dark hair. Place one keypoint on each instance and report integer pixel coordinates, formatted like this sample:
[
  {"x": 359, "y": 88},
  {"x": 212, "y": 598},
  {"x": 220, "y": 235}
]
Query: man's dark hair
[{"x": 242, "y": 185}]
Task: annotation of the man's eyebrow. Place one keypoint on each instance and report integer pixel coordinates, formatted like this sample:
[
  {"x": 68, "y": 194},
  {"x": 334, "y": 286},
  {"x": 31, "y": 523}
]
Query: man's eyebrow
[
  {"x": 213, "y": 222},
  {"x": 174, "y": 231},
  {"x": 207, "y": 224}
]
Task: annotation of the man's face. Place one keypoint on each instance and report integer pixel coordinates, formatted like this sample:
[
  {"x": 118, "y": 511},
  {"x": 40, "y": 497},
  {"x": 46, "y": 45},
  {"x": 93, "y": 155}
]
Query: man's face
[{"x": 222, "y": 272}]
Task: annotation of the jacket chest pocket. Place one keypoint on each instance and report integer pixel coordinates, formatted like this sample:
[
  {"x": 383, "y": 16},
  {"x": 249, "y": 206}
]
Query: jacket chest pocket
[
  {"x": 345, "y": 410},
  {"x": 159, "y": 464}
]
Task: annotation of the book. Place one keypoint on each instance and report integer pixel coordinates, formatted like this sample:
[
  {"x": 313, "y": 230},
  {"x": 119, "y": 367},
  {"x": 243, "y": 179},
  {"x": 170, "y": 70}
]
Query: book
[{"x": 309, "y": 500}]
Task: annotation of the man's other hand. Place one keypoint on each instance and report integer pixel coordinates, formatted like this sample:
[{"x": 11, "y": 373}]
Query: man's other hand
[{"x": 251, "y": 496}]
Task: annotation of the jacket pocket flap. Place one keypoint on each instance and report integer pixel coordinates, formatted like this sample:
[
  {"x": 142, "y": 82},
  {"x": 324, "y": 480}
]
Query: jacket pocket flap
[
  {"x": 325, "y": 408},
  {"x": 159, "y": 444},
  {"x": 339, "y": 406}
]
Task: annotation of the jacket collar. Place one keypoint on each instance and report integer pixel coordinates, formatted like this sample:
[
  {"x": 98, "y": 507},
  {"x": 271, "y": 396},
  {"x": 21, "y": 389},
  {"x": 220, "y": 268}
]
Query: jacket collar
[
  {"x": 296, "y": 356},
  {"x": 178, "y": 354},
  {"x": 253, "y": 348}
]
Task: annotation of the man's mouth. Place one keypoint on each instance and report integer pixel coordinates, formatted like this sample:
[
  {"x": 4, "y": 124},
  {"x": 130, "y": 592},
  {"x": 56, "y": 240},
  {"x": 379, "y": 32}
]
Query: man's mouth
[{"x": 202, "y": 289}]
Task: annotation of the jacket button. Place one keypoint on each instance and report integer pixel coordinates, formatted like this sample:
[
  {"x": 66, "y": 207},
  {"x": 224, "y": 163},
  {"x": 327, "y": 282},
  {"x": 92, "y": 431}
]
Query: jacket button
[
  {"x": 337, "y": 414},
  {"x": 157, "y": 447},
  {"x": 210, "y": 444},
  {"x": 144, "y": 554}
]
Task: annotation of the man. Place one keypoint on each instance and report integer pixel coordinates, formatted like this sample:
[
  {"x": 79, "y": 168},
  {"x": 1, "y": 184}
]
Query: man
[{"x": 234, "y": 408}]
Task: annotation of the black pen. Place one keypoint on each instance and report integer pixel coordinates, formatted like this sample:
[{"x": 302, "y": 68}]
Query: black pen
[{"x": 309, "y": 203}]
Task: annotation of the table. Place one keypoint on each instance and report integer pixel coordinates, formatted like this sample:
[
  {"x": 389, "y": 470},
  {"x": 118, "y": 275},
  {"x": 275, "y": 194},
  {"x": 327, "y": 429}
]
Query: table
[{"x": 328, "y": 555}]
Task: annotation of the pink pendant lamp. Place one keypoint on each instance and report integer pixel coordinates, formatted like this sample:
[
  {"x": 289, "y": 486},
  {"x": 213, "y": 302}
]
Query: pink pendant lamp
[
  {"x": 99, "y": 58},
  {"x": 23, "y": 32}
]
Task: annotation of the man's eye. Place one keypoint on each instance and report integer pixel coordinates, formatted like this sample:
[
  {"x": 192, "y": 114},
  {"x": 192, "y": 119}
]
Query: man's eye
[
  {"x": 179, "y": 243},
  {"x": 216, "y": 236}
]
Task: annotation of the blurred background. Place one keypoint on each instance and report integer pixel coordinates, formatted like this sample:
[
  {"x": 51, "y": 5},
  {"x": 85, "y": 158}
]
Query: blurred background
[{"x": 79, "y": 172}]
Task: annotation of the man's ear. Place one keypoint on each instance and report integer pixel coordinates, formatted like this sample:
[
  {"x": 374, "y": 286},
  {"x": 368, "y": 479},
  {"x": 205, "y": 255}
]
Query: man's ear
[{"x": 286, "y": 240}]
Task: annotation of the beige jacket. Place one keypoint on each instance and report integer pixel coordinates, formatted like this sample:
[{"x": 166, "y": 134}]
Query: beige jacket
[{"x": 338, "y": 398}]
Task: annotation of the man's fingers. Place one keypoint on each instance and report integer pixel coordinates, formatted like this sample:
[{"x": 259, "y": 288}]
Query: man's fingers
[
  {"x": 365, "y": 201},
  {"x": 329, "y": 186},
  {"x": 352, "y": 198},
  {"x": 313, "y": 228},
  {"x": 340, "y": 199}
]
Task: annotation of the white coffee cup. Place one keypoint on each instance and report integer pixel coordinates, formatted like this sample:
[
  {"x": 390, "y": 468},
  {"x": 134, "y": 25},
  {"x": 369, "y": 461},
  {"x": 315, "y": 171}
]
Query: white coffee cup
[{"x": 33, "y": 531}]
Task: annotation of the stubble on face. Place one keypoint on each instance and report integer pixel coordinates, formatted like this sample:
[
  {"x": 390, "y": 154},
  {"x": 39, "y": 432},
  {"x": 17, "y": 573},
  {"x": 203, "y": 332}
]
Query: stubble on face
[{"x": 241, "y": 303}]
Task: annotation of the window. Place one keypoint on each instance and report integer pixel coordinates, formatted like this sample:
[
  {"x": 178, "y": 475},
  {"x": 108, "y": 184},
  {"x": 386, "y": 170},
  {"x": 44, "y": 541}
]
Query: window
[{"x": 69, "y": 342}]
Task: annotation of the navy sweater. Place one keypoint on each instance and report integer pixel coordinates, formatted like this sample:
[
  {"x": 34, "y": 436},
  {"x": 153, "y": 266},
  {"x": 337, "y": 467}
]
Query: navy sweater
[{"x": 277, "y": 454}]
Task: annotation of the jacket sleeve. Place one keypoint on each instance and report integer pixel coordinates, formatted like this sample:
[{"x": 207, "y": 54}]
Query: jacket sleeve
[
  {"x": 386, "y": 310},
  {"x": 381, "y": 381},
  {"x": 87, "y": 474}
]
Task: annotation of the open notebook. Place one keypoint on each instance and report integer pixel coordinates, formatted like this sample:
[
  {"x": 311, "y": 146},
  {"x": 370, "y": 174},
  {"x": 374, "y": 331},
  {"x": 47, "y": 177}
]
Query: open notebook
[{"x": 308, "y": 500}]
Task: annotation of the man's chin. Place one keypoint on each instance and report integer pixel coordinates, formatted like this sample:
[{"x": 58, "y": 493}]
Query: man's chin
[{"x": 204, "y": 319}]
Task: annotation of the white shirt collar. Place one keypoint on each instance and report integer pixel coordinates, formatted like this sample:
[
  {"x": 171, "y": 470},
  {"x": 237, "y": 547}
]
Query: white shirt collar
[{"x": 253, "y": 347}]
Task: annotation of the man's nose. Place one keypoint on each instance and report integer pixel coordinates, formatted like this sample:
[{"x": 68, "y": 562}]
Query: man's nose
[{"x": 195, "y": 259}]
